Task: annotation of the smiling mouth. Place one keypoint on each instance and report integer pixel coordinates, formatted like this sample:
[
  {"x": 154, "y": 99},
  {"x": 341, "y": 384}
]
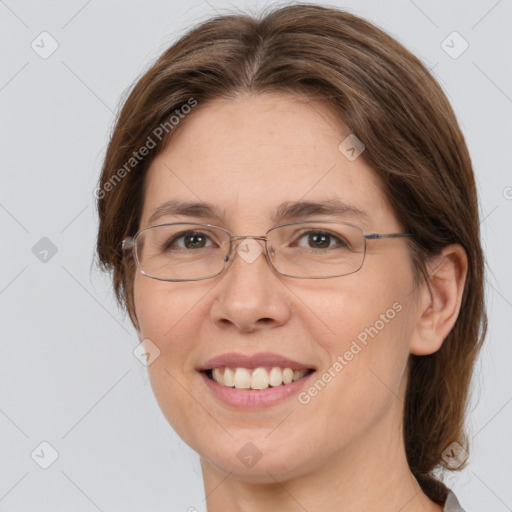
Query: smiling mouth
[{"x": 256, "y": 378}]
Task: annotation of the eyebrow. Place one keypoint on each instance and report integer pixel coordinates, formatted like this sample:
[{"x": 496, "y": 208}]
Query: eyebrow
[{"x": 289, "y": 210}]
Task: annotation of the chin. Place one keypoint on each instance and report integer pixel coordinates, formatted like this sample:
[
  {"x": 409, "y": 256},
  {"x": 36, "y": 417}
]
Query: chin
[{"x": 256, "y": 458}]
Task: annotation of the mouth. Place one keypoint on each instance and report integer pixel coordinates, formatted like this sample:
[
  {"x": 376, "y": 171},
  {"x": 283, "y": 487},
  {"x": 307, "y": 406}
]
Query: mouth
[
  {"x": 255, "y": 380},
  {"x": 259, "y": 378}
]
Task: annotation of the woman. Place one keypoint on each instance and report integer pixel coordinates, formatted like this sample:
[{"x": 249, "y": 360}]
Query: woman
[{"x": 289, "y": 211}]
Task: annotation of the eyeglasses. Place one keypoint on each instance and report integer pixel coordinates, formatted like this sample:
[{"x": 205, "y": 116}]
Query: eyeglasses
[{"x": 183, "y": 251}]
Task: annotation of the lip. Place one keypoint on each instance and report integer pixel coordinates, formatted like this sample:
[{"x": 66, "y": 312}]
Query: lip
[
  {"x": 264, "y": 359},
  {"x": 250, "y": 399}
]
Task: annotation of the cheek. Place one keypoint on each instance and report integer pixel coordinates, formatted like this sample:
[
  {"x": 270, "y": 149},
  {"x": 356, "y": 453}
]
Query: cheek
[
  {"x": 367, "y": 348},
  {"x": 169, "y": 315},
  {"x": 162, "y": 309}
]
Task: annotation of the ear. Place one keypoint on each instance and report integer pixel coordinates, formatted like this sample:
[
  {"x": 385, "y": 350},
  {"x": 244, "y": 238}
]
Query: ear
[{"x": 439, "y": 300}]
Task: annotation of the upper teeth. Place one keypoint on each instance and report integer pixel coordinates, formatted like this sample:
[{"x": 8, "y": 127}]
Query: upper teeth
[{"x": 258, "y": 378}]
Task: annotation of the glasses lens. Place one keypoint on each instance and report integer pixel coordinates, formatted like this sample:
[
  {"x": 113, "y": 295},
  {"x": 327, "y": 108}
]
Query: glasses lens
[
  {"x": 181, "y": 251},
  {"x": 317, "y": 250}
]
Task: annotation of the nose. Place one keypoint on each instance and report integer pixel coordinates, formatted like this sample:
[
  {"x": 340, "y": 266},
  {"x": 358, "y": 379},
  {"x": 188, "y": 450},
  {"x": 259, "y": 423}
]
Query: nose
[{"x": 250, "y": 296}]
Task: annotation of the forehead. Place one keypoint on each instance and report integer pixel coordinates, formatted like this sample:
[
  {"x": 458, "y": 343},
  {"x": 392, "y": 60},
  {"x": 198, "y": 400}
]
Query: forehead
[{"x": 250, "y": 154}]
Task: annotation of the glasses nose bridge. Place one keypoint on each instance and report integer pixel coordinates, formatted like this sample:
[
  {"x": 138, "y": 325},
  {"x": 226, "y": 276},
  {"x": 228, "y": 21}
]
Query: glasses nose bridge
[
  {"x": 235, "y": 241},
  {"x": 243, "y": 237}
]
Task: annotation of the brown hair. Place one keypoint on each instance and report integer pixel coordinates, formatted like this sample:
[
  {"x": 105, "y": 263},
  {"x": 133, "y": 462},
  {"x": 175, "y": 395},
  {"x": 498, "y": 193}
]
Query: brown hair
[{"x": 413, "y": 142}]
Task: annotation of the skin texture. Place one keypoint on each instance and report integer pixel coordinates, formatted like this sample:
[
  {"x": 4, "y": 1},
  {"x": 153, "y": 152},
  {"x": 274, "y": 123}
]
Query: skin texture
[{"x": 344, "y": 449}]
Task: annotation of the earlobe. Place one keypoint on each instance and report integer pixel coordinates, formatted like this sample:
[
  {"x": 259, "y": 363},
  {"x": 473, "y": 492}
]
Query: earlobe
[{"x": 440, "y": 300}]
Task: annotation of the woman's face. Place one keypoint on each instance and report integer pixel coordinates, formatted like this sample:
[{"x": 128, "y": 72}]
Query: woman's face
[{"x": 247, "y": 156}]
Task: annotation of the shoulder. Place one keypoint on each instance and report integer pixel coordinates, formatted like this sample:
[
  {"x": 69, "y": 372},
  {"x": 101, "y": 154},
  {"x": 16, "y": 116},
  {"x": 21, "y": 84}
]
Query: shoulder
[{"x": 452, "y": 503}]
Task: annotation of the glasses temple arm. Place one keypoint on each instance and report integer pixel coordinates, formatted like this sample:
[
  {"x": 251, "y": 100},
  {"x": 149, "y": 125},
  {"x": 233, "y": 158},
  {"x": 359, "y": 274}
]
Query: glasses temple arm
[{"x": 374, "y": 236}]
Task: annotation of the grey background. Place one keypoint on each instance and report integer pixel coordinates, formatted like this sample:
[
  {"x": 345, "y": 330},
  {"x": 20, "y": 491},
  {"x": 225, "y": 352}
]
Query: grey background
[{"x": 68, "y": 375}]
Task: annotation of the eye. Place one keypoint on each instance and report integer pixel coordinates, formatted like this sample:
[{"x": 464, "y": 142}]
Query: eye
[
  {"x": 188, "y": 240},
  {"x": 320, "y": 240}
]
